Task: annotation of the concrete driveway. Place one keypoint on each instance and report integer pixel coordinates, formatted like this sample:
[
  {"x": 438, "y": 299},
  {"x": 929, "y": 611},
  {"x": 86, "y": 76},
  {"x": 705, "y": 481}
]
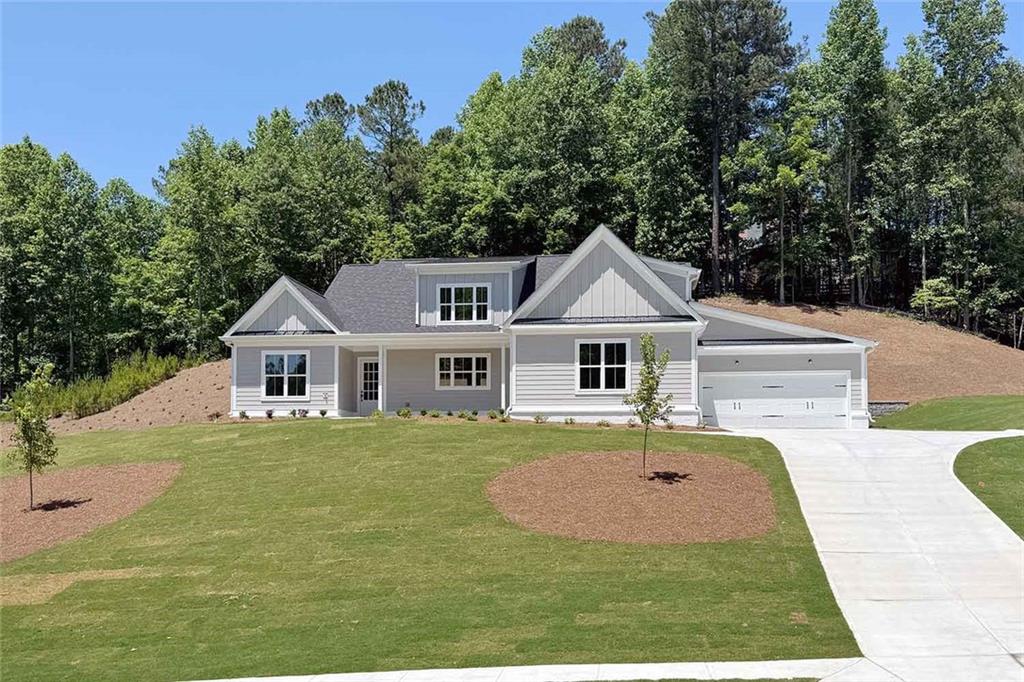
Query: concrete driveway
[{"x": 930, "y": 581}]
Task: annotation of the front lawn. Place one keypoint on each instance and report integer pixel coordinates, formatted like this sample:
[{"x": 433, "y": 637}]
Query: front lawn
[
  {"x": 994, "y": 471},
  {"x": 973, "y": 413},
  {"x": 330, "y": 546}
]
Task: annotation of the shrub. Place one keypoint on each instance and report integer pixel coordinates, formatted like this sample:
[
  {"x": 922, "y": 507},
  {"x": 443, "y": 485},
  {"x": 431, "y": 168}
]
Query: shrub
[
  {"x": 475, "y": 413},
  {"x": 126, "y": 380},
  {"x": 303, "y": 414},
  {"x": 270, "y": 414},
  {"x": 404, "y": 412},
  {"x": 434, "y": 414},
  {"x": 450, "y": 413},
  {"x": 631, "y": 422},
  {"x": 669, "y": 424},
  {"x": 292, "y": 412},
  {"x": 603, "y": 423},
  {"x": 323, "y": 413},
  {"x": 463, "y": 414},
  {"x": 377, "y": 414},
  {"x": 423, "y": 413},
  {"x": 540, "y": 418},
  {"x": 570, "y": 420},
  {"x": 471, "y": 418},
  {"x": 503, "y": 418},
  {"x": 492, "y": 414},
  {"x": 243, "y": 415}
]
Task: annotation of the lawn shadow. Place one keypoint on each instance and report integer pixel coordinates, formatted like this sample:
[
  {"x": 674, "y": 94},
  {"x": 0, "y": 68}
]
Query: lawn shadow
[
  {"x": 669, "y": 477},
  {"x": 54, "y": 505}
]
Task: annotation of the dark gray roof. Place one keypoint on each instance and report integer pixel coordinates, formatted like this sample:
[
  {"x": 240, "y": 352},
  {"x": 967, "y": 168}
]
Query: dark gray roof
[
  {"x": 604, "y": 320},
  {"x": 319, "y": 302},
  {"x": 772, "y": 342}
]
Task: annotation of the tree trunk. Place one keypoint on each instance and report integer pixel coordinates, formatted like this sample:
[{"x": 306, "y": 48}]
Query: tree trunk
[
  {"x": 848, "y": 220},
  {"x": 716, "y": 153},
  {"x": 30, "y": 502},
  {"x": 782, "y": 248},
  {"x": 643, "y": 457}
]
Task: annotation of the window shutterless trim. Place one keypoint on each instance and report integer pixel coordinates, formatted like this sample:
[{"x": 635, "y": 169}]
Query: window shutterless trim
[
  {"x": 602, "y": 366},
  {"x": 451, "y": 372},
  {"x": 263, "y": 376},
  {"x": 464, "y": 285}
]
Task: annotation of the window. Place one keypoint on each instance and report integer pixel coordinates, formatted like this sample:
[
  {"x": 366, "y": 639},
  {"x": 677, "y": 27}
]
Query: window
[
  {"x": 462, "y": 372},
  {"x": 462, "y": 303},
  {"x": 285, "y": 375},
  {"x": 602, "y": 365}
]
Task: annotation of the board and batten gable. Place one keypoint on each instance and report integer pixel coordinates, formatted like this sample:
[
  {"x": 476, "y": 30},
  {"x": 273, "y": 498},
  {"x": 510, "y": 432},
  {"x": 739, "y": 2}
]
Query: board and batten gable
[
  {"x": 602, "y": 285},
  {"x": 428, "y": 285},
  {"x": 286, "y": 313},
  {"x": 249, "y": 377},
  {"x": 545, "y": 372}
]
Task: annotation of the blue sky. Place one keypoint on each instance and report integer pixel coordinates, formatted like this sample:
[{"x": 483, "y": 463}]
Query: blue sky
[{"x": 118, "y": 85}]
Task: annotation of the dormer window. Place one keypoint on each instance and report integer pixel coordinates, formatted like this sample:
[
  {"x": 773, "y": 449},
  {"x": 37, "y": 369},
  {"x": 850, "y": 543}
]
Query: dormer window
[{"x": 464, "y": 303}]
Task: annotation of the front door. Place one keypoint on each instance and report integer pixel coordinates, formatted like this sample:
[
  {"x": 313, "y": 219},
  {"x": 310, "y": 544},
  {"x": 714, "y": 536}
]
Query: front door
[{"x": 369, "y": 385}]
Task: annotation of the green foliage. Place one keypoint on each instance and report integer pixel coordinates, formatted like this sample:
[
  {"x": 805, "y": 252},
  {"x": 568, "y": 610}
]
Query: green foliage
[
  {"x": 603, "y": 423},
  {"x": 540, "y": 419},
  {"x": 423, "y": 413},
  {"x": 570, "y": 420},
  {"x": 434, "y": 414},
  {"x": 34, "y": 448},
  {"x": 404, "y": 412},
  {"x": 377, "y": 414},
  {"x": 994, "y": 471},
  {"x": 646, "y": 401},
  {"x": 243, "y": 415},
  {"x": 972, "y": 413},
  {"x": 492, "y": 414}
]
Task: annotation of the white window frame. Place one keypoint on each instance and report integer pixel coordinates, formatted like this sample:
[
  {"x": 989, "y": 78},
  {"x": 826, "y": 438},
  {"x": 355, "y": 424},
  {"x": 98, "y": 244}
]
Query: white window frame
[
  {"x": 465, "y": 285},
  {"x": 602, "y": 390},
  {"x": 451, "y": 357},
  {"x": 263, "y": 375}
]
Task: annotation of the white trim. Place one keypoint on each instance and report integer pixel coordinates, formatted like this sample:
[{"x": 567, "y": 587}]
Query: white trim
[
  {"x": 807, "y": 372},
  {"x": 509, "y": 294},
  {"x": 369, "y": 342},
  {"x": 417, "y": 299},
  {"x": 360, "y": 361},
  {"x": 263, "y": 375},
  {"x": 437, "y": 373},
  {"x": 337, "y": 381},
  {"x": 464, "y": 285},
  {"x": 601, "y": 391},
  {"x": 782, "y": 349},
  {"x": 864, "y": 381},
  {"x": 694, "y": 378},
  {"x": 599, "y": 235},
  {"x": 464, "y": 267},
  {"x": 268, "y": 298},
  {"x": 504, "y": 397},
  {"x": 234, "y": 380},
  {"x": 382, "y": 369},
  {"x": 775, "y": 325},
  {"x": 512, "y": 374},
  {"x": 671, "y": 268},
  {"x": 632, "y": 327}
]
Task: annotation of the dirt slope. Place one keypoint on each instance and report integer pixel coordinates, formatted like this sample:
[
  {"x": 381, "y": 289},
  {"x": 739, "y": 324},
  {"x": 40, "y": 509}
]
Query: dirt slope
[
  {"x": 198, "y": 394},
  {"x": 914, "y": 360}
]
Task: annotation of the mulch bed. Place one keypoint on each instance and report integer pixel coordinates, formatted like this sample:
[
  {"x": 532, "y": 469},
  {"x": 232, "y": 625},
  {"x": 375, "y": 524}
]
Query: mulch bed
[
  {"x": 72, "y": 502},
  {"x": 686, "y": 498}
]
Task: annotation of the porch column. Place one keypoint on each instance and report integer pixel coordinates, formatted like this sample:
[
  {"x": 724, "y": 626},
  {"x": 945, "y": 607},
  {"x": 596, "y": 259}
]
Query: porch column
[
  {"x": 382, "y": 357},
  {"x": 504, "y": 400}
]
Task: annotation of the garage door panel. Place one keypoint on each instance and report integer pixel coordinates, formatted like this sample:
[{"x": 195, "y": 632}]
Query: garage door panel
[{"x": 784, "y": 400}]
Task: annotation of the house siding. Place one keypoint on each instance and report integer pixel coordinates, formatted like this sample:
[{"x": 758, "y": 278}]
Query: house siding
[
  {"x": 410, "y": 382},
  {"x": 793, "y": 363},
  {"x": 248, "y": 390},
  {"x": 286, "y": 314},
  {"x": 429, "y": 308},
  {"x": 347, "y": 379},
  {"x": 603, "y": 285},
  {"x": 545, "y": 370}
]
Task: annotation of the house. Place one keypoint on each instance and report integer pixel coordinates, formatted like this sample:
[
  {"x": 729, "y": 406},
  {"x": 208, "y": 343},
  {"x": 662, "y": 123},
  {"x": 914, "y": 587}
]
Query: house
[{"x": 553, "y": 335}]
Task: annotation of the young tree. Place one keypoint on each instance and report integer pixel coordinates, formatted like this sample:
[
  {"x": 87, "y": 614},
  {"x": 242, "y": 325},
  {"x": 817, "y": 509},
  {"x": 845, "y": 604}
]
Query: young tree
[
  {"x": 647, "y": 404},
  {"x": 33, "y": 441}
]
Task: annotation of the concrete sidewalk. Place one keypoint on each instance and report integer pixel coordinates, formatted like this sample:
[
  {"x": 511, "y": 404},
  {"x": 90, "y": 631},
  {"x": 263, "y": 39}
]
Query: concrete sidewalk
[{"x": 930, "y": 581}]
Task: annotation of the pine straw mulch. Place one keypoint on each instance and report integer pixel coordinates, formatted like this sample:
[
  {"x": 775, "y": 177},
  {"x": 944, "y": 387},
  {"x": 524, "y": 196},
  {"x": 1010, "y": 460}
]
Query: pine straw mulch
[
  {"x": 686, "y": 498},
  {"x": 73, "y": 502}
]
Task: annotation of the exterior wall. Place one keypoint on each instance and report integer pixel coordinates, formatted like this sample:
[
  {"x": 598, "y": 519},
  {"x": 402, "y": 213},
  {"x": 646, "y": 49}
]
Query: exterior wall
[
  {"x": 518, "y": 279},
  {"x": 347, "y": 379},
  {"x": 248, "y": 387},
  {"x": 603, "y": 285},
  {"x": 677, "y": 283},
  {"x": 429, "y": 308},
  {"x": 286, "y": 314},
  {"x": 794, "y": 362},
  {"x": 410, "y": 381},
  {"x": 724, "y": 330},
  {"x": 545, "y": 376}
]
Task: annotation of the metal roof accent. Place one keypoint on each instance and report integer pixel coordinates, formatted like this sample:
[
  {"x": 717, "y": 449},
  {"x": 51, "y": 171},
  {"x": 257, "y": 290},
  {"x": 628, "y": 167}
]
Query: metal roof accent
[
  {"x": 793, "y": 341},
  {"x": 646, "y": 319}
]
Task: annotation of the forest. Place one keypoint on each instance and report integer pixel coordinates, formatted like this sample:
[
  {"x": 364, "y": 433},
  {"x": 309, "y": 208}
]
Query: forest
[{"x": 824, "y": 176}]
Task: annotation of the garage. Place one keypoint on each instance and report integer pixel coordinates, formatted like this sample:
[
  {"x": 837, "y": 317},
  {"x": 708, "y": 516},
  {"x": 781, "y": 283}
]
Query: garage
[{"x": 747, "y": 400}]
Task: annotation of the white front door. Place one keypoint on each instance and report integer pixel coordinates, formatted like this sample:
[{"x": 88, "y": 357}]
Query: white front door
[
  {"x": 368, "y": 385},
  {"x": 792, "y": 400}
]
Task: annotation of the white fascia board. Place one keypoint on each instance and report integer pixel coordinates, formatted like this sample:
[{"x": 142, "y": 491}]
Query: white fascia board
[
  {"x": 267, "y": 299},
  {"x": 284, "y": 340},
  {"x": 466, "y": 267},
  {"x": 775, "y": 325},
  {"x": 681, "y": 269},
  {"x": 599, "y": 235},
  {"x": 782, "y": 349},
  {"x": 630, "y": 327},
  {"x": 425, "y": 340}
]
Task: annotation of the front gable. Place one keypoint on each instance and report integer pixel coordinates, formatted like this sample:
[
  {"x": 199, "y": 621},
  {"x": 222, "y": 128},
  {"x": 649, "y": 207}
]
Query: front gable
[
  {"x": 603, "y": 285},
  {"x": 284, "y": 309}
]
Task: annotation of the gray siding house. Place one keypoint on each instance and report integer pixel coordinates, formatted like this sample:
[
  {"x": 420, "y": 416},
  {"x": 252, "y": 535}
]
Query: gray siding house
[{"x": 552, "y": 335}]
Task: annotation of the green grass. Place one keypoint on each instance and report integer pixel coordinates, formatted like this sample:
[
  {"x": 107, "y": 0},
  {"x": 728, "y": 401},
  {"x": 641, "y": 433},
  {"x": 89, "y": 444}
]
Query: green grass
[
  {"x": 309, "y": 546},
  {"x": 975, "y": 413},
  {"x": 994, "y": 471}
]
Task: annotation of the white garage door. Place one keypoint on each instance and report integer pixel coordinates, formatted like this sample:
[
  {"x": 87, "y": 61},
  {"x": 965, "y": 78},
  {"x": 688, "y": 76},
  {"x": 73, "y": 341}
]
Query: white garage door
[{"x": 792, "y": 400}]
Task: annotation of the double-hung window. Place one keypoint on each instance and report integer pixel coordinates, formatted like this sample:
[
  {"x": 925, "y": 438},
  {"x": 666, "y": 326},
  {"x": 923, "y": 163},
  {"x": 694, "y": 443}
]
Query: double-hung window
[
  {"x": 464, "y": 371},
  {"x": 286, "y": 374},
  {"x": 602, "y": 365},
  {"x": 463, "y": 303}
]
